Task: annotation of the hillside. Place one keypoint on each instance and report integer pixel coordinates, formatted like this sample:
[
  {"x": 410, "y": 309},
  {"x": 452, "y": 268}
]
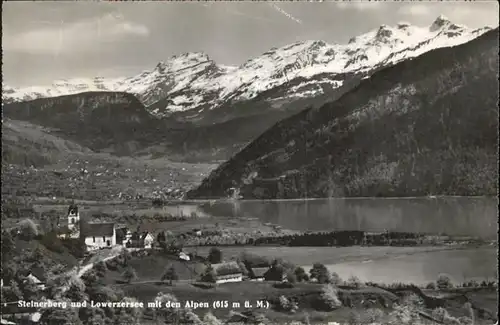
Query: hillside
[
  {"x": 115, "y": 122},
  {"x": 424, "y": 126},
  {"x": 27, "y": 144}
]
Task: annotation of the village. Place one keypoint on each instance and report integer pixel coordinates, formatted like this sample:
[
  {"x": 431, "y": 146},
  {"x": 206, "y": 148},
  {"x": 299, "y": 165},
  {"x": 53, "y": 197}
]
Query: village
[{"x": 105, "y": 242}]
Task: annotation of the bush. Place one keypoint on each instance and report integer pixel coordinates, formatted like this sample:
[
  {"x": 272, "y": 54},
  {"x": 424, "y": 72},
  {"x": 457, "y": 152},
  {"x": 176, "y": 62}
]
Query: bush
[
  {"x": 205, "y": 285},
  {"x": 283, "y": 285}
]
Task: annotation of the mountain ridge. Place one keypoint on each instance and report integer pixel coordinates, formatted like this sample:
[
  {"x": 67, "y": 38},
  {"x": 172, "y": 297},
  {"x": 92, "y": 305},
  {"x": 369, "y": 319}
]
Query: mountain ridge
[
  {"x": 193, "y": 83},
  {"x": 392, "y": 135}
]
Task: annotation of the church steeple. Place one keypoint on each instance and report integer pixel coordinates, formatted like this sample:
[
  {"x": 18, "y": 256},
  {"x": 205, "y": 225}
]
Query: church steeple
[{"x": 73, "y": 216}]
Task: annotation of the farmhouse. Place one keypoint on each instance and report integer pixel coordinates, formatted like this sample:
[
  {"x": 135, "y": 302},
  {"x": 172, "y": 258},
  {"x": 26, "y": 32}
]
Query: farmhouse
[
  {"x": 227, "y": 272},
  {"x": 141, "y": 240},
  {"x": 100, "y": 235},
  {"x": 37, "y": 276},
  {"x": 257, "y": 273}
]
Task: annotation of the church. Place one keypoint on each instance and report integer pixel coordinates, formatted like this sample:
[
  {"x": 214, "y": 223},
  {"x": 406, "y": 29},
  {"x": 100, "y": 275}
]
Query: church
[{"x": 95, "y": 235}]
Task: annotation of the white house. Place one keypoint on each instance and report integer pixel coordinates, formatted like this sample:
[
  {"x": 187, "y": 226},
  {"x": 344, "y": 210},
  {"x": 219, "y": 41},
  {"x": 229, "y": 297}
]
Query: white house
[
  {"x": 38, "y": 277},
  {"x": 100, "y": 235},
  {"x": 184, "y": 256},
  {"x": 147, "y": 239}
]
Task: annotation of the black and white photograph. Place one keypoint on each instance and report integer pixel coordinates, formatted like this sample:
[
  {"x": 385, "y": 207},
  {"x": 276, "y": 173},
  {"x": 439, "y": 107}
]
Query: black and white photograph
[{"x": 249, "y": 162}]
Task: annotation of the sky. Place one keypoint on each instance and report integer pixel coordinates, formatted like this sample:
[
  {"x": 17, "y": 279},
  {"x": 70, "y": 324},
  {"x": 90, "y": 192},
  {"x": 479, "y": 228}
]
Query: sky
[{"x": 44, "y": 41}]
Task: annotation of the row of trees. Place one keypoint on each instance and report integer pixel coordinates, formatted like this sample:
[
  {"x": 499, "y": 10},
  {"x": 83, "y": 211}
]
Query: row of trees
[{"x": 334, "y": 238}]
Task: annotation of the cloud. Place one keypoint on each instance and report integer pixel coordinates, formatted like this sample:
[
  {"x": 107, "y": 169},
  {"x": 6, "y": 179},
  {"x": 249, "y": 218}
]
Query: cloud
[{"x": 58, "y": 37}]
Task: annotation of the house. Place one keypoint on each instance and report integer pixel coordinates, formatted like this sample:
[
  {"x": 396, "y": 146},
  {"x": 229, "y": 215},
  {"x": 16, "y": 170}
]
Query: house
[
  {"x": 141, "y": 240},
  {"x": 38, "y": 277},
  {"x": 227, "y": 272},
  {"x": 257, "y": 273},
  {"x": 100, "y": 235},
  {"x": 13, "y": 314}
]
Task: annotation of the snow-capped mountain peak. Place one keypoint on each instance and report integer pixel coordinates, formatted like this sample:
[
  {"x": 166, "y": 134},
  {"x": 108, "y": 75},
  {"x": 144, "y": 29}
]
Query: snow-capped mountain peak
[
  {"x": 192, "y": 81},
  {"x": 439, "y": 23}
]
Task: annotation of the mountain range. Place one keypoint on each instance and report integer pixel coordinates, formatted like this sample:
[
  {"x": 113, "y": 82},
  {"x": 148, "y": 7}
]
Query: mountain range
[
  {"x": 192, "y": 87},
  {"x": 427, "y": 126},
  {"x": 306, "y": 120}
]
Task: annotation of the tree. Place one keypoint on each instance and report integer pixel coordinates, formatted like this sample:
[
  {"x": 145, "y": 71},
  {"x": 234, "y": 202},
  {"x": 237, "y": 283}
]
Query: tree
[
  {"x": 128, "y": 315},
  {"x": 60, "y": 316},
  {"x": 431, "y": 285},
  {"x": 90, "y": 278},
  {"x": 170, "y": 274},
  {"x": 301, "y": 274},
  {"x": 335, "y": 279},
  {"x": 161, "y": 238},
  {"x": 28, "y": 229},
  {"x": 14, "y": 292},
  {"x": 444, "y": 282},
  {"x": 129, "y": 274},
  {"x": 354, "y": 281},
  {"x": 329, "y": 298},
  {"x": 286, "y": 304},
  {"x": 210, "y": 319},
  {"x": 209, "y": 275},
  {"x": 243, "y": 268},
  {"x": 8, "y": 244},
  {"x": 100, "y": 269},
  {"x": 291, "y": 277},
  {"x": 125, "y": 256},
  {"x": 215, "y": 255},
  {"x": 29, "y": 289},
  {"x": 320, "y": 273}
]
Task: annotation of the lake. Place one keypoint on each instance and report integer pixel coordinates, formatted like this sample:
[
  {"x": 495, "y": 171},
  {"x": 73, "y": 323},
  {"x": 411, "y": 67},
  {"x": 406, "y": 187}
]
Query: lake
[
  {"x": 417, "y": 265},
  {"x": 422, "y": 268},
  {"x": 461, "y": 216}
]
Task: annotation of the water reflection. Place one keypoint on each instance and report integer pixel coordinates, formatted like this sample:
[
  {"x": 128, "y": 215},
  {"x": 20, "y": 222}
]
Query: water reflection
[{"x": 451, "y": 215}]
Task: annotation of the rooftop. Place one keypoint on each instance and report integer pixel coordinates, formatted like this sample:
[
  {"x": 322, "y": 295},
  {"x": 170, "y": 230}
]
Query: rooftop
[{"x": 99, "y": 229}]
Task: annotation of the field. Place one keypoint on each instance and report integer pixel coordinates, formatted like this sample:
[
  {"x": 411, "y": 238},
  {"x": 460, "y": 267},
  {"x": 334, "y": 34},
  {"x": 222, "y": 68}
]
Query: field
[{"x": 324, "y": 255}]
